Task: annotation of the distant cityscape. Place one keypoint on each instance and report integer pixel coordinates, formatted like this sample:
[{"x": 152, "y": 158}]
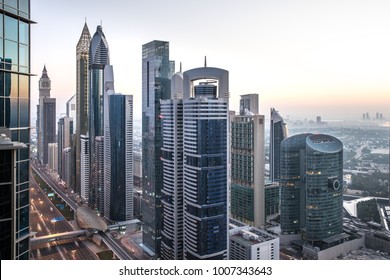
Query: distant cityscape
[{"x": 191, "y": 179}]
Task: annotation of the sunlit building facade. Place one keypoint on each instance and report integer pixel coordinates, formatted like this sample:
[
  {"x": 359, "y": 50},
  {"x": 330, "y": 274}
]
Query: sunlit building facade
[{"x": 247, "y": 195}]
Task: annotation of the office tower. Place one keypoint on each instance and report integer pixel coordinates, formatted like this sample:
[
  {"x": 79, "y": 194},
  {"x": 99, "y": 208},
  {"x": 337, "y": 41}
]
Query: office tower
[
  {"x": 250, "y": 243},
  {"x": 249, "y": 102},
  {"x": 82, "y": 92},
  {"x": 172, "y": 158},
  {"x": 98, "y": 180},
  {"x": 47, "y": 117},
  {"x": 156, "y": 70},
  {"x": 69, "y": 175},
  {"x": 311, "y": 180},
  {"x": 118, "y": 152},
  {"x": 293, "y": 189},
  {"x": 71, "y": 111},
  {"x": 14, "y": 220},
  {"x": 318, "y": 120},
  {"x": 84, "y": 167},
  {"x": 53, "y": 157},
  {"x": 64, "y": 140},
  {"x": 247, "y": 166},
  {"x": 98, "y": 58},
  {"x": 278, "y": 132},
  {"x": 205, "y": 153},
  {"x": 15, "y": 124},
  {"x": 324, "y": 187}
]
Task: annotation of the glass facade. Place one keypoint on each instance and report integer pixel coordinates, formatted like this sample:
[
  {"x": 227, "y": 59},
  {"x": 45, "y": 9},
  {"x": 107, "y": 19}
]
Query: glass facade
[
  {"x": 15, "y": 123},
  {"x": 156, "y": 86},
  {"x": 311, "y": 186},
  {"x": 324, "y": 187},
  {"x": 278, "y": 132},
  {"x": 119, "y": 158},
  {"x": 98, "y": 59}
]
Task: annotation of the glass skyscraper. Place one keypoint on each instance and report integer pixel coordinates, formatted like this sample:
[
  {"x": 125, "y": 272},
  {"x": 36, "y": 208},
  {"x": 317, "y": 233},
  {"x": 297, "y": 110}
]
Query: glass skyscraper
[
  {"x": 312, "y": 186},
  {"x": 98, "y": 58},
  {"x": 14, "y": 125},
  {"x": 278, "y": 132},
  {"x": 156, "y": 85},
  {"x": 205, "y": 166}
]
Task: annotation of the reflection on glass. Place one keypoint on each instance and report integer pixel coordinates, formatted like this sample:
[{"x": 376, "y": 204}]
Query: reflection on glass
[
  {"x": 11, "y": 113},
  {"x": 11, "y": 53},
  {"x": 1, "y": 25},
  {"x": 11, "y": 28},
  {"x": 23, "y": 33},
  {"x": 24, "y": 115},
  {"x": 23, "y": 86},
  {"x": 23, "y": 55}
]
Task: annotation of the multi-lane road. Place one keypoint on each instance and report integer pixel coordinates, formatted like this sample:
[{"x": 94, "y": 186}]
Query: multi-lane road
[
  {"x": 64, "y": 226},
  {"x": 43, "y": 222}
]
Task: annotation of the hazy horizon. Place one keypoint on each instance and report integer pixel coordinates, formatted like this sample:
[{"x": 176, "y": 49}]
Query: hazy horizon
[{"x": 304, "y": 58}]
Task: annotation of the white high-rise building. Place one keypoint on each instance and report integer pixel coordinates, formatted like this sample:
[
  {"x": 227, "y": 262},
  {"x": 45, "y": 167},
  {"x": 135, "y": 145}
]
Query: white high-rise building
[
  {"x": 53, "y": 156},
  {"x": 195, "y": 166},
  {"x": 84, "y": 167}
]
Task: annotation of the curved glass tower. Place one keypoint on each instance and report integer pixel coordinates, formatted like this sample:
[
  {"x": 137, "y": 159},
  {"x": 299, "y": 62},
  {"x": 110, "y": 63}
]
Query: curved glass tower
[
  {"x": 292, "y": 182},
  {"x": 98, "y": 59},
  {"x": 312, "y": 186},
  {"x": 324, "y": 187}
]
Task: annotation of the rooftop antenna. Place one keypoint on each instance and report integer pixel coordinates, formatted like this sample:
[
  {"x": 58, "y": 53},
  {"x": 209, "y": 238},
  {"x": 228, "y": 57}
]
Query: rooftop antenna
[
  {"x": 180, "y": 67},
  {"x": 205, "y": 61}
]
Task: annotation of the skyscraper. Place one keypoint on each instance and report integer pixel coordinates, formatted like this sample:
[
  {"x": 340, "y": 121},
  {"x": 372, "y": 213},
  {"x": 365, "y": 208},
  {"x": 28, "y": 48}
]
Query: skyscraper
[
  {"x": 84, "y": 167},
  {"x": 14, "y": 125},
  {"x": 311, "y": 187},
  {"x": 98, "y": 58},
  {"x": 293, "y": 189},
  {"x": 156, "y": 71},
  {"x": 64, "y": 140},
  {"x": 247, "y": 165},
  {"x": 324, "y": 187},
  {"x": 118, "y": 152},
  {"x": 205, "y": 141},
  {"x": 172, "y": 158},
  {"x": 47, "y": 117},
  {"x": 82, "y": 92},
  {"x": 278, "y": 132},
  {"x": 71, "y": 111}
]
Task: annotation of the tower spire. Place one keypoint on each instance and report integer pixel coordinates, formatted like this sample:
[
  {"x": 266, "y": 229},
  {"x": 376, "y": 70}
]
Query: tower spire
[
  {"x": 205, "y": 61},
  {"x": 180, "y": 68}
]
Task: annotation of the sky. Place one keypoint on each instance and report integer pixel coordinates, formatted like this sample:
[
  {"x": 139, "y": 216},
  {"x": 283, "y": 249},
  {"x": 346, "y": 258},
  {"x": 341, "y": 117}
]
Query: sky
[{"x": 305, "y": 58}]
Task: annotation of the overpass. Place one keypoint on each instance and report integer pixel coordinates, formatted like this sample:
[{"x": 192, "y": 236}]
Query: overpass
[{"x": 58, "y": 236}]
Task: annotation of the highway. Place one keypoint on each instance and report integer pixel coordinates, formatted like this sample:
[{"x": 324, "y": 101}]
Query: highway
[
  {"x": 118, "y": 250},
  {"x": 41, "y": 215}
]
